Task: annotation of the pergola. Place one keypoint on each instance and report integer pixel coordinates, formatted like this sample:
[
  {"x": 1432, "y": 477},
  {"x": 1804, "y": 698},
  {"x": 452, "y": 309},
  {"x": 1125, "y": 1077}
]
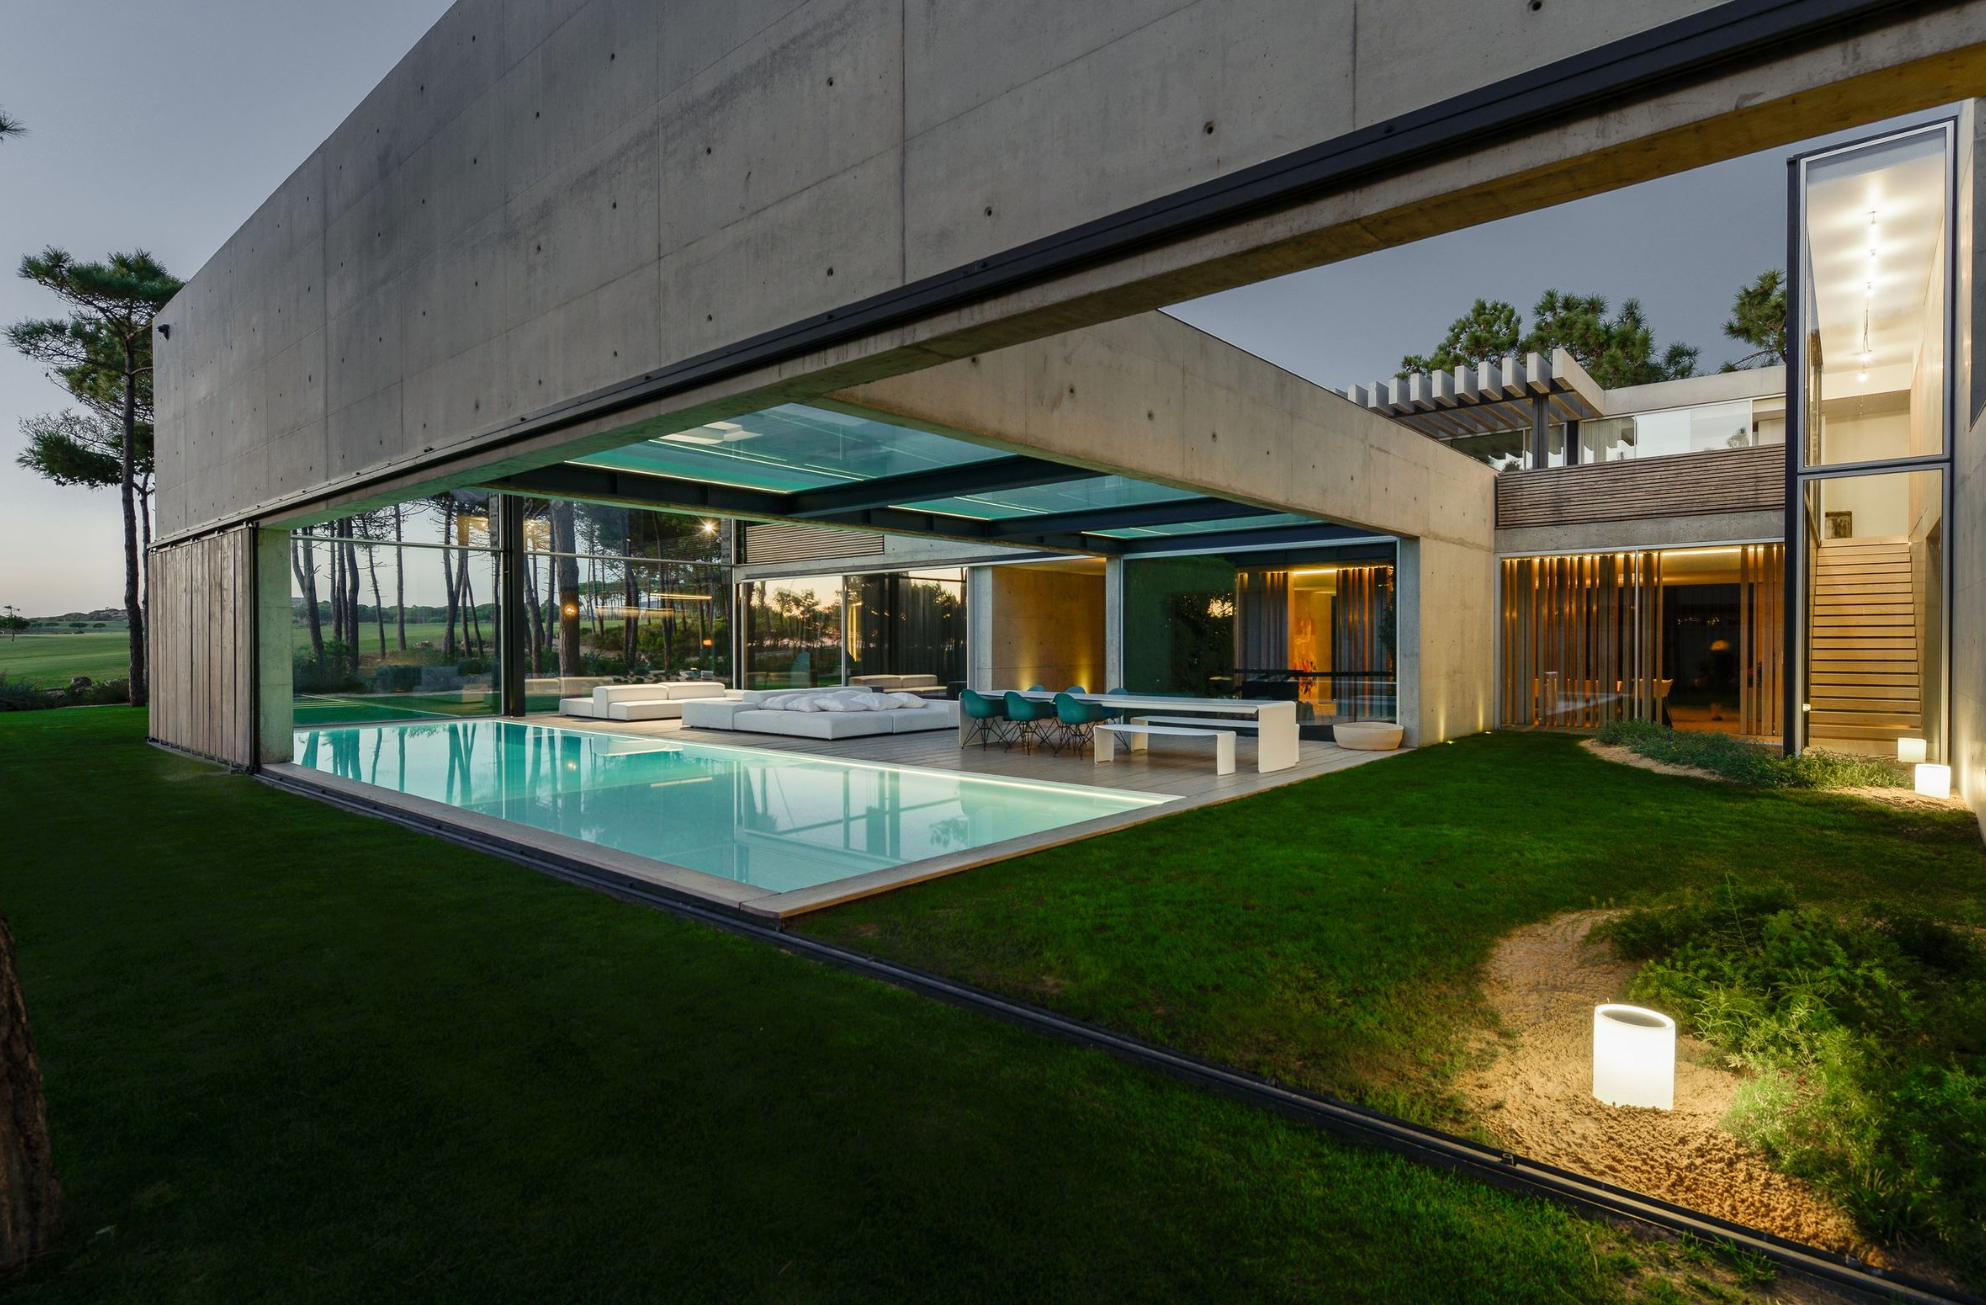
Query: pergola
[{"x": 1495, "y": 397}]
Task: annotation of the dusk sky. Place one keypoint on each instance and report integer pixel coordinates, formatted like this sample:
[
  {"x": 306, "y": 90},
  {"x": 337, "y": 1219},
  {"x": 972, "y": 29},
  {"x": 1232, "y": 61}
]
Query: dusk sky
[{"x": 177, "y": 169}]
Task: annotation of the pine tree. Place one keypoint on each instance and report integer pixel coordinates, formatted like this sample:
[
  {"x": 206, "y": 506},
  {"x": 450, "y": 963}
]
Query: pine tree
[{"x": 102, "y": 353}]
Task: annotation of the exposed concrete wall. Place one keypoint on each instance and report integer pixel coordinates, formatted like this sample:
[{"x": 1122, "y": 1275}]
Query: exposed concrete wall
[
  {"x": 1713, "y": 387},
  {"x": 1031, "y": 625},
  {"x": 1654, "y": 532},
  {"x": 1155, "y": 398},
  {"x": 549, "y": 196},
  {"x": 1968, "y": 526}
]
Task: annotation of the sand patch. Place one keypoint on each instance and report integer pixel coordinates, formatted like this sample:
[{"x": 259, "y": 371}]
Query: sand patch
[
  {"x": 1536, "y": 1095},
  {"x": 1628, "y": 757}
]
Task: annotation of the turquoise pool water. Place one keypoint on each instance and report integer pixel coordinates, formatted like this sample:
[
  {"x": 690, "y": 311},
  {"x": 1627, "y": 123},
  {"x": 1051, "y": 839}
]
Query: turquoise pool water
[{"x": 776, "y": 820}]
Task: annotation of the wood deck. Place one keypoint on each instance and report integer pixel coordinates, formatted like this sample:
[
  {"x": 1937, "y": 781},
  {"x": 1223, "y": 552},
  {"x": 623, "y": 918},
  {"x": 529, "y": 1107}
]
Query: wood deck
[{"x": 1183, "y": 769}]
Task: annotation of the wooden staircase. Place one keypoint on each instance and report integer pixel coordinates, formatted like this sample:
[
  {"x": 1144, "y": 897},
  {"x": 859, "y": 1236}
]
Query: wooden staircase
[{"x": 1863, "y": 681}]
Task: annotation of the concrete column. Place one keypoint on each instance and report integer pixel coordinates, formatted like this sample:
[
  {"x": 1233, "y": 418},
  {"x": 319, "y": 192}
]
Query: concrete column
[
  {"x": 1113, "y": 622},
  {"x": 513, "y": 637},
  {"x": 274, "y": 668},
  {"x": 979, "y": 627}
]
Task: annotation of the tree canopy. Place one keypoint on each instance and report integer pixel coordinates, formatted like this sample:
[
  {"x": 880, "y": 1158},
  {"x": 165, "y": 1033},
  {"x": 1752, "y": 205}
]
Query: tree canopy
[
  {"x": 1758, "y": 318},
  {"x": 1617, "y": 350}
]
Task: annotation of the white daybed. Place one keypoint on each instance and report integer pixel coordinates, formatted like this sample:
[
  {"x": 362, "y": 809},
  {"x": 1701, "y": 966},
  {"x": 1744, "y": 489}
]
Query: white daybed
[
  {"x": 835, "y": 713},
  {"x": 662, "y": 700}
]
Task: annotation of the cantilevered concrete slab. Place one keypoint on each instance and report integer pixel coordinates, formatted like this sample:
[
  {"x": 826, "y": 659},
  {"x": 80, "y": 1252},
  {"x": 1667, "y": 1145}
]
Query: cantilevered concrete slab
[{"x": 1153, "y": 397}]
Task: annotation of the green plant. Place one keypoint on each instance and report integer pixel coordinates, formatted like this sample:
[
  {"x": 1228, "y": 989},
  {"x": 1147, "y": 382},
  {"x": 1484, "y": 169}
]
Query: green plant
[
  {"x": 1865, "y": 1038},
  {"x": 1750, "y": 763}
]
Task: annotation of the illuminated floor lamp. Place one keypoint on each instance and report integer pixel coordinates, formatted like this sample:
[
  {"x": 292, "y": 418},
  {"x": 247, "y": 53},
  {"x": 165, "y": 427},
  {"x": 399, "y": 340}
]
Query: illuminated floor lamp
[
  {"x": 1928, "y": 779},
  {"x": 1634, "y": 1057}
]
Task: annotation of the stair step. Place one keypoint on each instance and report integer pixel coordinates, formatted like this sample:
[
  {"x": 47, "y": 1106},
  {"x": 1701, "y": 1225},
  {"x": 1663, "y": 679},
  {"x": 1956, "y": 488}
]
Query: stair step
[{"x": 1863, "y": 732}]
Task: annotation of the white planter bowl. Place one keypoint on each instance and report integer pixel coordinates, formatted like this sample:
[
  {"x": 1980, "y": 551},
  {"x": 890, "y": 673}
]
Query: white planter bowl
[{"x": 1367, "y": 735}]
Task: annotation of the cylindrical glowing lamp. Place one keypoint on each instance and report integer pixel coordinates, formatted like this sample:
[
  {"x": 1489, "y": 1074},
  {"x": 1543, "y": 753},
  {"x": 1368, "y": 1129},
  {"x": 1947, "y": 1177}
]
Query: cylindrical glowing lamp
[
  {"x": 1910, "y": 751},
  {"x": 1634, "y": 1057},
  {"x": 1933, "y": 781}
]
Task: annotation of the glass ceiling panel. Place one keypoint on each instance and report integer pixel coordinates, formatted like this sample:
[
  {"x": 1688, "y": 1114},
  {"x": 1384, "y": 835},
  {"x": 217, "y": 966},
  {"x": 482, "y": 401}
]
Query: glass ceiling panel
[
  {"x": 792, "y": 447},
  {"x": 1083, "y": 495},
  {"x": 1268, "y": 522}
]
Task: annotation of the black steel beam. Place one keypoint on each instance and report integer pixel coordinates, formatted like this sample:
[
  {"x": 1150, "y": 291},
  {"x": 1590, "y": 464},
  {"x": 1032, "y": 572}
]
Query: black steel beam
[
  {"x": 1214, "y": 541},
  {"x": 942, "y": 482},
  {"x": 603, "y": 484}
]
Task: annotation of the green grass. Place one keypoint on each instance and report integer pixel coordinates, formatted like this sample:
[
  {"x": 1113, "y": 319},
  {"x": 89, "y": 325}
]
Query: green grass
[
  {"x": 295, "y": 1055},
  {"x": 50, "y": 661},
  {"x": 1330, "y": 933}
]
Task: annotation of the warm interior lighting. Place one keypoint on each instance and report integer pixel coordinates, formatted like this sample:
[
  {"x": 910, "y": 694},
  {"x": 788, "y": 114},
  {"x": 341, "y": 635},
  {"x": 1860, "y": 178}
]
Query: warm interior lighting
[
  {"x": 1933, "y": 780},
  {"x": 710, "y": 527},
  {"x": 1910, "y": 752},
  {"x": 1634, "y": 1057},
  {"x": 569, "y": 610}
]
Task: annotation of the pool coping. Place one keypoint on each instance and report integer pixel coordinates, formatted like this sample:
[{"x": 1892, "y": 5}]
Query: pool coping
[{"x": 588, "y": 861}]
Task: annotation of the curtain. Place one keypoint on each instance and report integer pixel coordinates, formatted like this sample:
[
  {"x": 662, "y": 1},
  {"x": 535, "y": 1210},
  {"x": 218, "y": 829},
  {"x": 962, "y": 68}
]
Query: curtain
[{"x": 1262, "y": 620}]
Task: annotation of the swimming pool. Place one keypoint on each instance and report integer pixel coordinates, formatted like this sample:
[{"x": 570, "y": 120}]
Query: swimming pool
[{"x": 776, "y": 820}]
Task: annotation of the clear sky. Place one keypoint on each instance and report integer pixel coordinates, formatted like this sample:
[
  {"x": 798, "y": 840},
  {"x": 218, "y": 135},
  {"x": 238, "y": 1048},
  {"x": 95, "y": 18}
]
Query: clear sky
[
  {"x": 218, "y": 100},
  {"x": 189, "y": 114}
]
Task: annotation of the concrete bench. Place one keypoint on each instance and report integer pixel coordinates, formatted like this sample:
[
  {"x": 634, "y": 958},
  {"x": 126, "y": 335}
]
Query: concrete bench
[
  {"x": 1204, "y": 722},
  {"x": 1137, "y": 734}
]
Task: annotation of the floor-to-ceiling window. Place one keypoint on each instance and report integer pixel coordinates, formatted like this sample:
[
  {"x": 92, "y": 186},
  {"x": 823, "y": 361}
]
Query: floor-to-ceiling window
[
  {"x": 1871, "y": 343},
  {"x": 1315, "y": 625},
  {"x": 906, "y": 624},
  {"x": 793, "y": 632},
  {"x": 1689, "y": 637},
  {"x": 611, "y": 591},
  {"x": 394, "y": 613}
]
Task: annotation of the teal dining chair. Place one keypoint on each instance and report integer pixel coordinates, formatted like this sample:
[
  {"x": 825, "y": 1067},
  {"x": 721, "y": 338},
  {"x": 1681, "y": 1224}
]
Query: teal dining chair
[
  {"x": 1031, "y": 721},
  {"x": 988, "y": 717},
  {"x": 1078, "y": 719}
]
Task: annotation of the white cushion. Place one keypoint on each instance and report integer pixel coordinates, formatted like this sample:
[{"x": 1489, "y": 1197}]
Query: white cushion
[
  {"x": 653, "y": 709},
  {"x": 608, "y": 694},
  {"x": 814, "y": 725},
  {"x": 711, "y": 713},
  {"x": 683, "y": 690},
  {"x": 930, "y": 716}
]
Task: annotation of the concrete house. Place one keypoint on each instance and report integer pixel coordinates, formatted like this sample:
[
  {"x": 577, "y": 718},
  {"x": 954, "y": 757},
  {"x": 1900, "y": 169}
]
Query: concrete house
[{"x": 788, "y": 346}]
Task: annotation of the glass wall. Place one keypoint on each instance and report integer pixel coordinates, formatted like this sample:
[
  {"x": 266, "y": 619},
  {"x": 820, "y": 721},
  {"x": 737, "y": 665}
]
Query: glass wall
[
  {"x": 876, "y": 628},
  {"x": 1875, "y": 652},
  {"x": 906, "y": 623},
  {"x": 1738, "y": 424},
  {"x": 1693, "y": 638},
  {"x": 394, "y": 613},
  {"x": 1872, "y": 340},
  {"x": 1315, "y": 626},
  {"x": 614, "y": 592},
  {"x": 793, "y": 632}
]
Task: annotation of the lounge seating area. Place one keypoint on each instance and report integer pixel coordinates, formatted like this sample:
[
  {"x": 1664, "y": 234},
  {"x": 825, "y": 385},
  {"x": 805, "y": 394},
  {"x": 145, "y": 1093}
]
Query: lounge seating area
[{"x": 830, "y": 713}]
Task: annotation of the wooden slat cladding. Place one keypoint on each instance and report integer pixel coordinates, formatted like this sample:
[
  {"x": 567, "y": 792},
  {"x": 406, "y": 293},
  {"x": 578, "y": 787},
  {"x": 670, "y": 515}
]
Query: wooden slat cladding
[
  {"x": 778, "y": 541},
  {"x": 1685, "y": 484},
  {"x": 201, "y": 645}
]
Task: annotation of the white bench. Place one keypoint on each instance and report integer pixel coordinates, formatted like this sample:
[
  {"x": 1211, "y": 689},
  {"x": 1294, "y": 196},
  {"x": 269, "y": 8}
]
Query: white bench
[
  {"x": 1137, "y": 735},
  {"x": 1204, "y": 722}
]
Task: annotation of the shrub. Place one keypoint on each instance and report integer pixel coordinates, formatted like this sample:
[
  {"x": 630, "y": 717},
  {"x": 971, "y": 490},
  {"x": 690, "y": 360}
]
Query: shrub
[
  {"x": 18, "y": 693},
  {"x": 1866, "y": 1042},
  {"x": 1750, "y": 763}
]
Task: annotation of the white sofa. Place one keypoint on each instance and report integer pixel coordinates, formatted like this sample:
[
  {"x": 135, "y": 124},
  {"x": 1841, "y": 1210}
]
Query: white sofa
[
  {"x": 756, "y": 711},
  {"x": 659, "y": 701}
]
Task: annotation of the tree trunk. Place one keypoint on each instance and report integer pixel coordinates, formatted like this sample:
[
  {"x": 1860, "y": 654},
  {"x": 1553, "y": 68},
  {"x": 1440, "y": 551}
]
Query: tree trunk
[
  {"x": 631, "y": 599},
  {"x": 352, "y": 595},
  {"x": 399, "y": 578},
  {"x": 378, "y": 604},
  {"x": 30, "y": 1200},
  {"x": 537, "y": 615},
  {"x": 127, "y": 487},
  {"x": 307, "y": 579},
  {"x": 448, "y": 580},
  {"x": 568, "y": 587}
]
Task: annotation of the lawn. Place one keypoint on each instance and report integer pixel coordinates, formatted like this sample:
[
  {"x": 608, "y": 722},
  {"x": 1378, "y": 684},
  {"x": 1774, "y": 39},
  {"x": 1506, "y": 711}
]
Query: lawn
[
  {"x": 1332, "y": 933},
  {"x": 293, "y": 1054},
  {"x": 50, "y": 661}
]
